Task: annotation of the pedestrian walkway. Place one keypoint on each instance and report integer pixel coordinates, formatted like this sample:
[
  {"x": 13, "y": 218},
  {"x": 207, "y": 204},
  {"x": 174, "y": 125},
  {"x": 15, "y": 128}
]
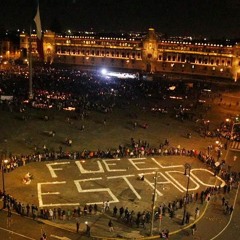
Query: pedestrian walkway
[
  {"x": 99, "y": 223},
  {"x": 100, "y": 229},
  {"x": 235, "y": 146}
]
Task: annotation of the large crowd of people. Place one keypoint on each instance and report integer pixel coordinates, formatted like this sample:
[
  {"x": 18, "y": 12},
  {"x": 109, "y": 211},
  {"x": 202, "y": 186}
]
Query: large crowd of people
[
  {"x": 60, "y": 88},
  {"x": 140, "y": 219},
  {"x": 81, "y": 91}
]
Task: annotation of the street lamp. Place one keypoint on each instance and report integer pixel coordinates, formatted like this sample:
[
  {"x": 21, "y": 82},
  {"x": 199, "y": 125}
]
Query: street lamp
[
  {"x": 4, "y": 162},
  {"x": 187, "y": 172},
  {"x": 154, "y": 198}
]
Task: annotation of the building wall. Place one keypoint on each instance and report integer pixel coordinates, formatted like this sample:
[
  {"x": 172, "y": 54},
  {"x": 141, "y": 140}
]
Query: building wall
[{"x": 147, "y": 54}]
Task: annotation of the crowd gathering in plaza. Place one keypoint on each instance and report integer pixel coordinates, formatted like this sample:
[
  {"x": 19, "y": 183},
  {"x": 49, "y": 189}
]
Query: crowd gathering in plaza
[
  {"x": 132, "y": 219},
  {"x": 84, "y": 91}
]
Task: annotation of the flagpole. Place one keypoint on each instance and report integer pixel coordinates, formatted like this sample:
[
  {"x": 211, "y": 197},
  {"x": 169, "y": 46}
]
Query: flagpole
[{"x": 30, "y": 65}]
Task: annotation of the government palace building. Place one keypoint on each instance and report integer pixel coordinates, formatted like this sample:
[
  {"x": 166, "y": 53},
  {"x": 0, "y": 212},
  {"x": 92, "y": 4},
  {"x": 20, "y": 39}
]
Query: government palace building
[{"x": 140, "y": 52}]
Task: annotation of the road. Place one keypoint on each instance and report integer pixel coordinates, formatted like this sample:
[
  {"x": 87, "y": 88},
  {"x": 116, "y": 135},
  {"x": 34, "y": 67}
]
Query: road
[{"x": 25, "y": 228}]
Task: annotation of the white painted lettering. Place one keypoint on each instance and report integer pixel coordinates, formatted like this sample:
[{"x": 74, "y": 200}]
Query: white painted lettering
[
  {"x": 128, "y": 183},
  {"x": 136, "y": 161},
  {"x": 112, "y": 164},
  {"x": 80, "y": 190},
  {"x": 82, "y": 170},
  {"x": 52, "y": 170},
  {"x": 211, "y": 173},
  {"x": 40, "y": 194}
]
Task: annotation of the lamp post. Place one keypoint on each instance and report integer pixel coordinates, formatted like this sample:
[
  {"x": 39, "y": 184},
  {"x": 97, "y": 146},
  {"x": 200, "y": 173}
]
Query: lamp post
[
  {"x": 153, "y": 202},
  {"x": 187, "y": 172},
  {"x": 3, "y": 178}
]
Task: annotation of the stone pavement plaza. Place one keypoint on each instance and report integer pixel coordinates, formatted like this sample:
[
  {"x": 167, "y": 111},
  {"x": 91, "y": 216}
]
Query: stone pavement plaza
[
  {"x": 117, "y": 180},
  {"x": 69, "y": 183}
]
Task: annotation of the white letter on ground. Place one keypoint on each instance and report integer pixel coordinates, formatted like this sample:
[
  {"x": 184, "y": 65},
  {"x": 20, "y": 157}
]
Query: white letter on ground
[{"x": 52, "y": 170}]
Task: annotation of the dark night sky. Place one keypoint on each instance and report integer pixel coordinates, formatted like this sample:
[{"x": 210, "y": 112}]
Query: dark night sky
[{"x": 211, "y": 18}]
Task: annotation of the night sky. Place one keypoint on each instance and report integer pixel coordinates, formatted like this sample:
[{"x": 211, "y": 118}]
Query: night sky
[{"x": 210, "y": 18}]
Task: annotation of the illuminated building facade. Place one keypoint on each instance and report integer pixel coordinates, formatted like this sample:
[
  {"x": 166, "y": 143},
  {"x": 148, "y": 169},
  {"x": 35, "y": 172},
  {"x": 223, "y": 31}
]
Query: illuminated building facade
[
  {"x": 141, "y": 52},
  {"x": 9, "y": 48}
]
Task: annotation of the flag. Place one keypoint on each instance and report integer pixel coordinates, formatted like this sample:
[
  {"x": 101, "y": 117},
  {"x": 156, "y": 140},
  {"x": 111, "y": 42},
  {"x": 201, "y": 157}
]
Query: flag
[{"x": 37, "y": 21}]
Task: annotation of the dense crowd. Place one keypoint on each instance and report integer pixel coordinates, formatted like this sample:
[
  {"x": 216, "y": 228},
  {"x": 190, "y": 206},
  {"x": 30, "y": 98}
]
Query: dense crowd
[
  {"x": 140, "y": 219},
  {"x": 60, "y": 88},
  {"x": 81, "y": 91},
  {"x": 139, "y": 148}
]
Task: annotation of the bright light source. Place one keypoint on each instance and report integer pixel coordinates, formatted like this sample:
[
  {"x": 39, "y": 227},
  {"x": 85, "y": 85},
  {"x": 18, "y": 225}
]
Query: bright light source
[
  {"x": 172, "y": 88},
  {"x": 104, "y": 71}
]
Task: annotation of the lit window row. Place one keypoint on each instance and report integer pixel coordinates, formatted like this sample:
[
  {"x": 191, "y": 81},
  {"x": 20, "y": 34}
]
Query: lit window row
[
  {"x": 132, "y": 55},
  {"x": 200, "y": 44}
]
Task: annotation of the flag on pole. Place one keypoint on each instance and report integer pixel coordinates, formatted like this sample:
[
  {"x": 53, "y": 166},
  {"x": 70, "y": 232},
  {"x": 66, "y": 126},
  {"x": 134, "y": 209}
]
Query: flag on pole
[{"x": 37, "y": 21}]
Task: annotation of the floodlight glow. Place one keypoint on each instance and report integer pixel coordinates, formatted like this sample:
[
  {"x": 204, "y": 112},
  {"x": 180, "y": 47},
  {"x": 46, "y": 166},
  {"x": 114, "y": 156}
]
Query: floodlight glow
[
  {"x": 104, "y": 71},
  {"x": 172, "y": 88}
]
